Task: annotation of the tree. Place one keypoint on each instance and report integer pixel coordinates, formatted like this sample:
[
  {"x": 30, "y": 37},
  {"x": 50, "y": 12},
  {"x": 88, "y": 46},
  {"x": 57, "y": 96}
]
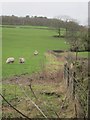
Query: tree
[
  {"x": 78, "y": 40},
  {"x": 59, "y": 24},
  {"x": 67, "y": 23},
  {"x": 66, "y": 19},
  {"x": 27, "y": 16},
  {"x": 85, "y": 38}
]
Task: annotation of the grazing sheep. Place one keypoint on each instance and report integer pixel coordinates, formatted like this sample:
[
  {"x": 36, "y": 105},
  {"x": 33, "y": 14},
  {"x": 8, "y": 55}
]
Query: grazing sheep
[
  {"x": 10, "y": 60},
  {"x": 21, "y": 60},
  {"x": 35, "y": 52},
  {"x": 71, "y": 65},
  {"x": 66, "y": 63}
]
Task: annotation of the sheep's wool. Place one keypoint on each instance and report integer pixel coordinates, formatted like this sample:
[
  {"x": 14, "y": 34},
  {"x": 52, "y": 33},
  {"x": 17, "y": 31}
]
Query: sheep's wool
[{"x": 10, "y": 60}]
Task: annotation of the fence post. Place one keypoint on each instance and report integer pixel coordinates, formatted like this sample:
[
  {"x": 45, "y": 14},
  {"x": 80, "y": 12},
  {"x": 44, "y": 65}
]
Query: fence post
[
  {"x": 64, "y": 71},
  {"x": 88, "y": 97},
  {"x": 75, "y": 110},
  {"x": 74, "y": 76},
  {"x": 68, "y": 76}
]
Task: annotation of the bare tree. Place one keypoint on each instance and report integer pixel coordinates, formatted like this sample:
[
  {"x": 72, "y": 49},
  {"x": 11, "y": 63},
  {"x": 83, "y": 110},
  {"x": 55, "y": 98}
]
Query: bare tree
[
  {"x": 67, "y": 23},
  {"x": 59, "y": 25}
]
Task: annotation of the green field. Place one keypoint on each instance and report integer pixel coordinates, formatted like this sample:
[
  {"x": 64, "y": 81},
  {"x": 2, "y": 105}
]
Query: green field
[
  {"x": 84, "y": 54},
  {"x": 48, "y": 86},
  {"x": 22, "y": 42}
]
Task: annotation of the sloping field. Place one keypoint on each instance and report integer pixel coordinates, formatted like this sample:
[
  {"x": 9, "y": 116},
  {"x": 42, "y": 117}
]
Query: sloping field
[
  {"x": 47, "y": 91},
  {"x": 22, "y": 42}
]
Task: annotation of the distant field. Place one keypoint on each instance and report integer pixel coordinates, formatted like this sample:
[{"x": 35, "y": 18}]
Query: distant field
[
  {"x": 21, "y": 42},
  {"x": 26, "y": 26},
  {"x": 84, "y": 54}
]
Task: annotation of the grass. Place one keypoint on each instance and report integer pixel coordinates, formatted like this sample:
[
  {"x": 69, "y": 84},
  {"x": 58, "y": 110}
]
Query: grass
[
  {"x": 25, "y": 26},
  {"x": 46, "y": 91},
  {"x": 20, "y": 42},
  {"x": 84, "y": 54},
  {"x": 45, "y": 102}
]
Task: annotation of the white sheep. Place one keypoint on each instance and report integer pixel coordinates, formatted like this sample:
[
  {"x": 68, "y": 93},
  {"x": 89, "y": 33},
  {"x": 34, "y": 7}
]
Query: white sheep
[
  {"x": 21, "y": 60},
  {"x": 35, "y": 52},
  {"x": 71, "y": 65},
  {"x": 10, "y": 60}
]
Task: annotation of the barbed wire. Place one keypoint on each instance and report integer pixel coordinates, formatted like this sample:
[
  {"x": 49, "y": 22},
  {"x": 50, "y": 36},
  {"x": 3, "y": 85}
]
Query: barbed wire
[{"x": 79, "y": 88}]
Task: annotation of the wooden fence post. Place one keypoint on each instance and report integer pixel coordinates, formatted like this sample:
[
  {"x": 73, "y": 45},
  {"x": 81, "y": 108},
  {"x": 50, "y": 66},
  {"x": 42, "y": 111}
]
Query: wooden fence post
[
  {"x": 74, "y": 80},
  {"x": 75, "y": 110},
  {"x": 68, "y": 76},
  {"x": 88, "y": 97},
  {"x": 64, "y": 71}
]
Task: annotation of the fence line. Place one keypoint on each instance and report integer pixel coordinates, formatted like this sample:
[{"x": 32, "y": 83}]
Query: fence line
[
  {"x": 75, "y": 88},
  {"x": 73, "y": 85}
]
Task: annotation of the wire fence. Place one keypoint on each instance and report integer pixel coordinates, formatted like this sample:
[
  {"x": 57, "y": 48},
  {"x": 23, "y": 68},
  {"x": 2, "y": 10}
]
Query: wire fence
[{"x": 78, "y": 91}]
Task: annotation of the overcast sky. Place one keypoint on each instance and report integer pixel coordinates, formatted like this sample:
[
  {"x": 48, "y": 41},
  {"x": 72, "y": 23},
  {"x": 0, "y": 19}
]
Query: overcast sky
[{"x": 76, "y": 10}]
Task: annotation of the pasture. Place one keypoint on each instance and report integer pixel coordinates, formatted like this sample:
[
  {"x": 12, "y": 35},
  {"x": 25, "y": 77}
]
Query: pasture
[
  {"x": 47, "y": 89},
  {"x": 22, "y": 42}
]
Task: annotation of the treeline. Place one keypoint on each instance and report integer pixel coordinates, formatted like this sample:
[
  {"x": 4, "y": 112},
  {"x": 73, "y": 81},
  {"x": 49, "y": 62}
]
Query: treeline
[
  {"x": 76, "y": 35},
  {"x": 37, "y": 21}
]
